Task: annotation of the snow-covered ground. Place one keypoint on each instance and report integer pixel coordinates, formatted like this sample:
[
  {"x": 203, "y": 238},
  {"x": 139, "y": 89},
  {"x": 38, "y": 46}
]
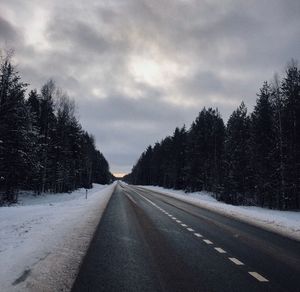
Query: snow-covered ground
[
  {"x": 43, "y": 239},
  {"x": 284, "y": 222}
]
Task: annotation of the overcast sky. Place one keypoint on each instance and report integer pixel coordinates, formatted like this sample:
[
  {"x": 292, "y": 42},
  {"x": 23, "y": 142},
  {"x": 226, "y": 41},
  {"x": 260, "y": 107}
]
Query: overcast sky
[{"x": 137, "y": 69}]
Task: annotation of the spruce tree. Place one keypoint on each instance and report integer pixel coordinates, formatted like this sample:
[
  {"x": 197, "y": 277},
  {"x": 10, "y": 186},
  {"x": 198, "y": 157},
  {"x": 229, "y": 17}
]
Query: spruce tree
[
  {"x": 263, "y": 150},
  {"x": 237, "y": 167},
  {"x": 15, "y": 142},
  {"x": 179, "y": 148},
  {"x": 290, "y": 90}
]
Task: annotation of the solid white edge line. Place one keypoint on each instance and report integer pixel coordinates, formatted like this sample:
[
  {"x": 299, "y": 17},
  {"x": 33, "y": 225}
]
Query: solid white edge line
[
  {"x": 236, "y": 261},
  {"x": 220, "y": 250},
  {"x": 258, "y": 277}
]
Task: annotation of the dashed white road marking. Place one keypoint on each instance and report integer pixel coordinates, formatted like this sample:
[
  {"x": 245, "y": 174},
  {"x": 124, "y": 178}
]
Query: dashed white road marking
[
  {"x": 220, "y": 250},
  {"x": 258, "y": 277},
  {"x": 236, "y": 261}
]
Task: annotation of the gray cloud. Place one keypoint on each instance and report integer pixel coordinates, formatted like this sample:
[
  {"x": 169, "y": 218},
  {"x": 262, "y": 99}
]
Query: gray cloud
[
  {"x": 137, "y": 69},
  {"x": 8, "y": 33},
  {"x": 125, "y": 124}
]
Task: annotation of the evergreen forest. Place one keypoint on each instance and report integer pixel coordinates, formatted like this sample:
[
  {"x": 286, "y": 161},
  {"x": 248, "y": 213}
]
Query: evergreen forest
[
  {"x": 43, "y": 146},
  {"x": 253, "y": 159}
]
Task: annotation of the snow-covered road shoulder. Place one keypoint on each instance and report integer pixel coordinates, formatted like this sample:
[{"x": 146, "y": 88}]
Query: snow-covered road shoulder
[
  {"x": 43, "y": 239},
  {"x": 286, "y": 223}
]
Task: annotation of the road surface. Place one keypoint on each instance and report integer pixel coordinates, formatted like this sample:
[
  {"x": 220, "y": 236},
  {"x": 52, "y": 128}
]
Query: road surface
[{"x": 146, "y": 241}]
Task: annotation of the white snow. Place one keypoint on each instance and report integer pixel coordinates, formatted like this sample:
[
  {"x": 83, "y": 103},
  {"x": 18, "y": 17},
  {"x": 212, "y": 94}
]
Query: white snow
[
  {"x": 43, "y": 239},
  {"x": 286, "y": 223}
]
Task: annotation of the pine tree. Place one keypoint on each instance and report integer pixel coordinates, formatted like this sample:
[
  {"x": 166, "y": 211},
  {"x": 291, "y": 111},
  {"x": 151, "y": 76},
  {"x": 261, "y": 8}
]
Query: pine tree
[
  {"x": 263, "y": 148},
  {"x": 290, "y": 90},
  {"x": 156, "y": 165},
  {"x": 179, "y": 148},
  {"x": 33, "y": 105},
  {"x": 15, "y": 156},
  {"x": 280, "y": 143},
  {"x": 47, "y": 122},
  {"x": 237, "y": 170},
  {"x": 205, "y": 151}
]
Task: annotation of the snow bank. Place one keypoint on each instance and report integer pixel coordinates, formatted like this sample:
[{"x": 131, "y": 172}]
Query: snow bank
[
  {"x": 286, "y": 223},
  {"x": 43, "y": 239}
]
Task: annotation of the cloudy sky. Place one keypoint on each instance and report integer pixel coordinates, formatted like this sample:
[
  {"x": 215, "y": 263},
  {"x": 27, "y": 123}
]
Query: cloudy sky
[{"x": 137, "y": 68}]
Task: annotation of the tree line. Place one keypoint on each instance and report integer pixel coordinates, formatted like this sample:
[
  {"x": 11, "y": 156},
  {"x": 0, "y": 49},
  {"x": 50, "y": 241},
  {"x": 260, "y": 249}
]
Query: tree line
[
  {"x": 254, "y": 159},
  {"x": 43, "y": 147}
]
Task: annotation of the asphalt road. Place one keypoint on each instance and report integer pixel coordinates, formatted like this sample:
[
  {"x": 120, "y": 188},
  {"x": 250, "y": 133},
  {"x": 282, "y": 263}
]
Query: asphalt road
[{"x": 146, "y": 241}]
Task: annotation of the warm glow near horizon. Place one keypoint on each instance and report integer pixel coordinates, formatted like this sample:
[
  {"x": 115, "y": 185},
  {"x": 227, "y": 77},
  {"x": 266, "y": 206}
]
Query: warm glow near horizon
[{"x": 119, "y": 174}]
